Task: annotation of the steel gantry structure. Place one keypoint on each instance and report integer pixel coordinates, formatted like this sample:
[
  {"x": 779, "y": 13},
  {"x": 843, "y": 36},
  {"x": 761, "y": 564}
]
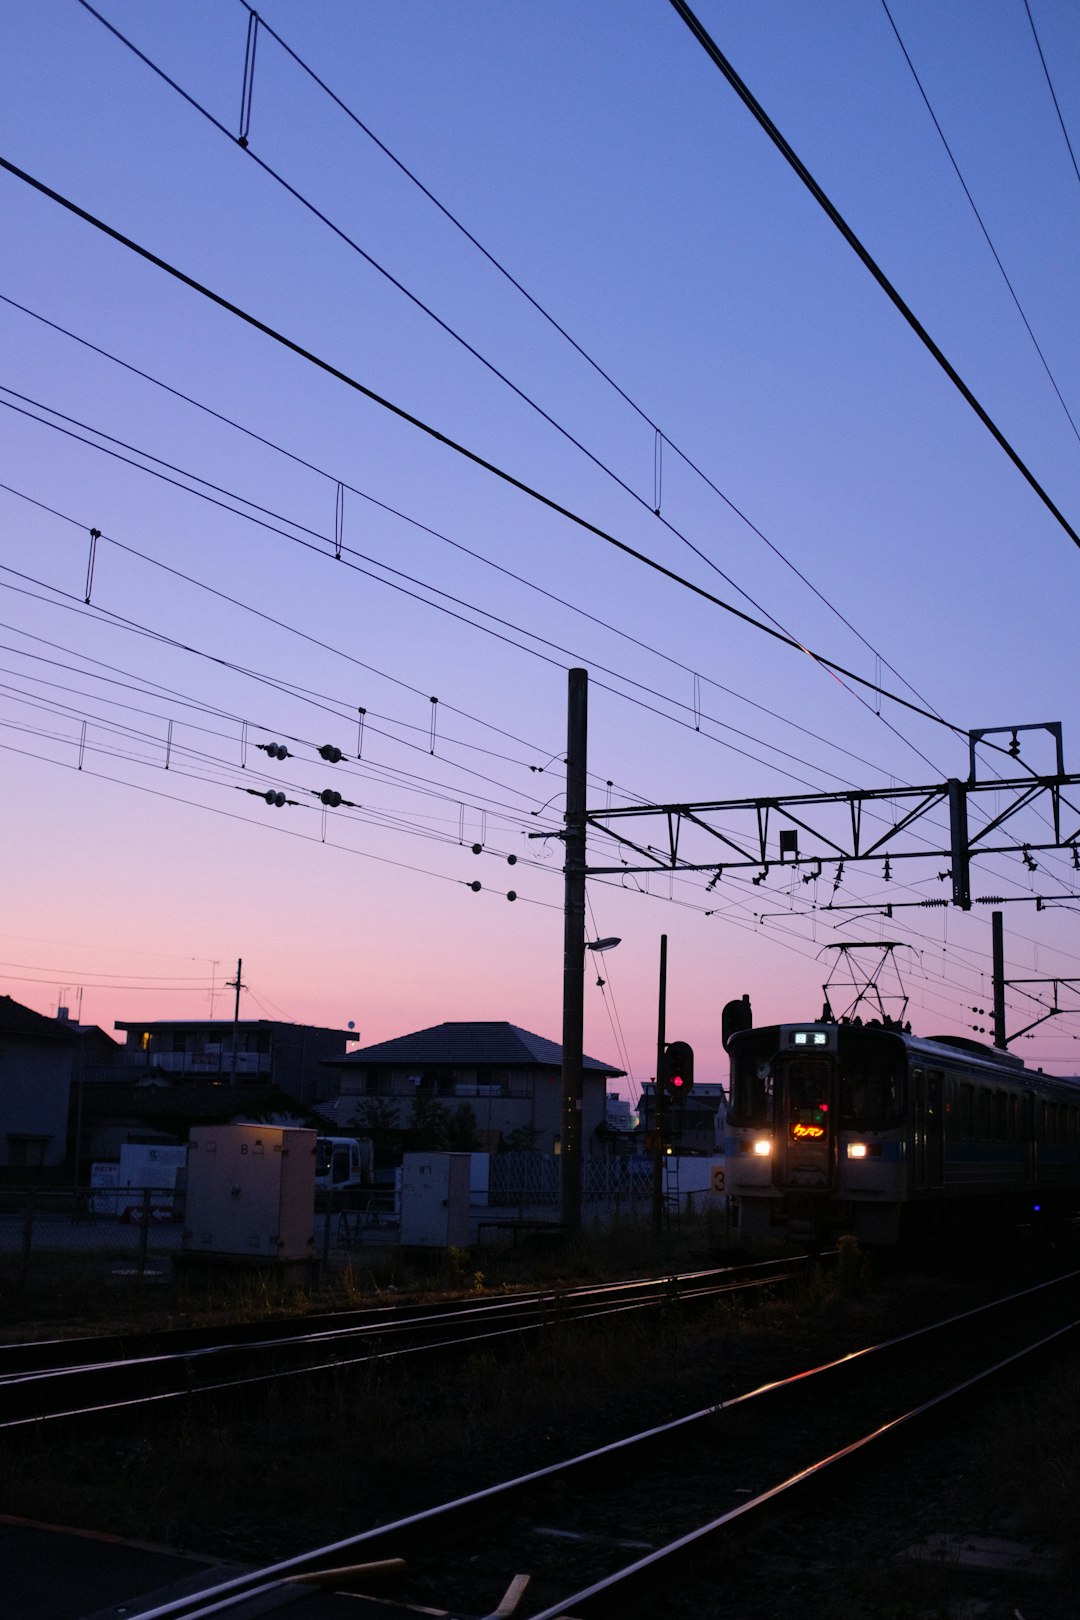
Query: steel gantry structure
[
  {"x": 852, "y": 827},
  {"x": 856, "y": 827}
]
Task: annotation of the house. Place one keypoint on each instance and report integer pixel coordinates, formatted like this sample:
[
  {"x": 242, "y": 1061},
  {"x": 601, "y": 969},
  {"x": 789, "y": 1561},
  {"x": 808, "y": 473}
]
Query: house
[
  {"x": 508, "y": 1077},
  {"x": 244, "y": 1051},
  {"x": 37, "y": 1061},
  {"x": 695, "y": 1126}
]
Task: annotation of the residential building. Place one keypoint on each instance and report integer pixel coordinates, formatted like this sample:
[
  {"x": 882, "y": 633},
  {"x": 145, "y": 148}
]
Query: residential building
[
  {"x": 508, "y": 1077},
  {"x": 245, "y": 1051},
  {"x": 37, "y": 1061}
]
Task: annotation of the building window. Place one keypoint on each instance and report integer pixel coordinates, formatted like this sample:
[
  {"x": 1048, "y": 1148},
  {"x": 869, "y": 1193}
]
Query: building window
[{"x": 27, "y": 1152}]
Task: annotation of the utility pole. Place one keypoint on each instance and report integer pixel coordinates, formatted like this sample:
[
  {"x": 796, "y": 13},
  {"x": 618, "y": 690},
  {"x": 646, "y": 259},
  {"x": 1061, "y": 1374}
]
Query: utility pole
[
  {"x": 237, "y": 985},
  {"x": 1000, "y": 1038},
  {"x": 660, "y": 1097},
  {"x": 577, "y": 735}
]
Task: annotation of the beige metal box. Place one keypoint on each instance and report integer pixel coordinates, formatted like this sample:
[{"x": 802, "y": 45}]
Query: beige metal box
[{"x": 251, "y": 1192}]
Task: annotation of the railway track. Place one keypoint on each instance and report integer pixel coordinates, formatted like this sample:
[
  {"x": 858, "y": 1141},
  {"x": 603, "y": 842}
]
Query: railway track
[
  {"x": 69, "y": 1378},
  {"x": 600, "y": 1533}
]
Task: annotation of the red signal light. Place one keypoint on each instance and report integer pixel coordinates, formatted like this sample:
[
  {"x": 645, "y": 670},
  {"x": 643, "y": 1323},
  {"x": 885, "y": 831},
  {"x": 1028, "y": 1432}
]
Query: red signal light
[{"x": 677, "y": 1075}]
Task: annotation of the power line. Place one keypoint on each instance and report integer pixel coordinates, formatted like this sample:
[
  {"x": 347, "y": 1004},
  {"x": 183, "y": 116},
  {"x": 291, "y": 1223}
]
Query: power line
[
  {"x": 1050, "y": 87},
  {"x": 979, "y": 218},
  {"x": 444, "y": 326},
  {"x": 644, "y": 416},
  {"x": 720, "y": 60},
  {"x": 489, "y": 562},
  {"x": 831, "y": 665},
  {"x": 279, "y": 830},
  {"x": 339, "y": 556}
]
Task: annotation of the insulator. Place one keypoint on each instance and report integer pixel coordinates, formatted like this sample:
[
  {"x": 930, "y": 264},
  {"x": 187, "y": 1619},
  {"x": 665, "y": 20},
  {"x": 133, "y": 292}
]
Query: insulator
[
  {"x": 511, "y": 894},
  {"x": 276, "y": 799},
  {"x": 511, "y": 860},
  {"x": 331, "y": 797},
  {"x": 332, "y": 755},
  {"x": 475, "y": 887},
  {"x": 478, "y": 849}
]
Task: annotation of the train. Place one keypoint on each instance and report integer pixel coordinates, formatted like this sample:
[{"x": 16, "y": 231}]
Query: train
[{"x": 845, "y": 1126}]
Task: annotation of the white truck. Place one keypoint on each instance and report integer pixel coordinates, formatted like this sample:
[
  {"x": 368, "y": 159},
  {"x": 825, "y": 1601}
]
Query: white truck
[{"x": 344, "y": 1169}]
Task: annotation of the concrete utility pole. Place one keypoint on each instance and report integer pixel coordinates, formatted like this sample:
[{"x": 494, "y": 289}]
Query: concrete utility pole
[
  {"x": 998, "y": 941},
  {"x": 577, "y": 739},
  {"x": 660, "y": 1097},
  {"x": 238, "y": 986}
]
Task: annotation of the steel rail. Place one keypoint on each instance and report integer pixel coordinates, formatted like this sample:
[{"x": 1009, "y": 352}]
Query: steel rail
[
  {"x": 389, "y": 1540},
  {"x": 58, "y": 1354},
  {"x": 623, "y": 1585},
  {"x": 181, "y": 1367}
]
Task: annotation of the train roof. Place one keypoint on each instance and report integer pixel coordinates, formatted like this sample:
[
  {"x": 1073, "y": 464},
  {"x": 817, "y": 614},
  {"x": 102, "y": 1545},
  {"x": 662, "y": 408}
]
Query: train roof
[{"x": 954, "y": 1047}]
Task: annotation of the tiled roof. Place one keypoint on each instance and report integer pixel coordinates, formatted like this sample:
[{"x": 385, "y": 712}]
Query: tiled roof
[
  {"x": 225, "y": 1024},
  {"x": 15, "y": 1019},
  {"x": 472, "y": 1045}
]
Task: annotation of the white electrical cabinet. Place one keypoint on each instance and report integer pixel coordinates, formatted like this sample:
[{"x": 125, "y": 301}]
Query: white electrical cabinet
[
  {"x": 435, "y": 1200},
  {"x": 251, "y": 1192}
]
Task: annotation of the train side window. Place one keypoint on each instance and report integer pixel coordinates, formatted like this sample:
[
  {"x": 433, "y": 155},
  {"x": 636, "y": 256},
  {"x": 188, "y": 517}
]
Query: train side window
[
  {"x": 1051, "y": 1122},
  {"x": 967, "y": 1110},
  {"x": 1000, "y": 1126},
  {"x": 870, "y": 1095},
  {"x": 982, "y": 1113},
  {"x": 1012, "y": 1119}
]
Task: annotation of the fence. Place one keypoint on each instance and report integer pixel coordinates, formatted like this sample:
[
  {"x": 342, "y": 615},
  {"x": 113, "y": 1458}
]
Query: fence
[
  {"x": 133, "y": 1234},
  {"x": 48, "y": 1232},
  {"x": 521, "y": 1179}
]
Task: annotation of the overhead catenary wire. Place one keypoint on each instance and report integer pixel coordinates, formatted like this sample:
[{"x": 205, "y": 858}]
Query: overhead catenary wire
[
  {"x": 446, "y": 327},
  {"x": 718, "y": 58},
  {"x": 832, "y": 666},
  {"x": 657, "y": 651},
  {"x": 143, "y": 629},
  {"x": 981, "y": 222},
  {"x": 661, "y": 436},
  {"x": 249, "y": 821},
  {"x": 245, "y": 501},
  {"x": 1050, "y": 87}
]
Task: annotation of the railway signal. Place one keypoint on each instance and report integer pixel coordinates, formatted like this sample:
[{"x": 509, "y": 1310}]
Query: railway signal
[{"x": 677, "y": 1076}]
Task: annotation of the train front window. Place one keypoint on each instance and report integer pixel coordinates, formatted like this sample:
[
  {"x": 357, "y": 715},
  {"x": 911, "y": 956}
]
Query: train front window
[
  {"x": 751, "y": 1085},
  {"x": 808, "y": 1083},
  {"x": 870, "y": 1093}
]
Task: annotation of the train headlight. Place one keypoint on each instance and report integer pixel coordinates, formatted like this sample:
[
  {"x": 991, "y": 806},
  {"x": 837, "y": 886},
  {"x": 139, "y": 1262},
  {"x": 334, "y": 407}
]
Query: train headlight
[
  {"x": 763, "y": 1147},
  {"x": 856, "y": 1150}
]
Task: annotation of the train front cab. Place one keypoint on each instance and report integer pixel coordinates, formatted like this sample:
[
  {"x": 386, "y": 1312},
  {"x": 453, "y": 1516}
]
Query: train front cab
[
  {"x": 782, "y": 1148},
  {"x": 815, "y": 1133}
]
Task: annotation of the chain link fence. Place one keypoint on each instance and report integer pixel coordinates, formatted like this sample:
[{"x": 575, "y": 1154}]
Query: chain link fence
[{"x": 47, "y": 1233}]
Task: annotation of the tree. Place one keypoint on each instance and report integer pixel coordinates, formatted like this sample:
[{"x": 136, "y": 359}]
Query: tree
[
  {"x": 522, "y": 1139},
  {"x": 377, "y": 1117},
  {"x": 461, "y": 1135},
  {"x": 428, "y": 1130}
]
